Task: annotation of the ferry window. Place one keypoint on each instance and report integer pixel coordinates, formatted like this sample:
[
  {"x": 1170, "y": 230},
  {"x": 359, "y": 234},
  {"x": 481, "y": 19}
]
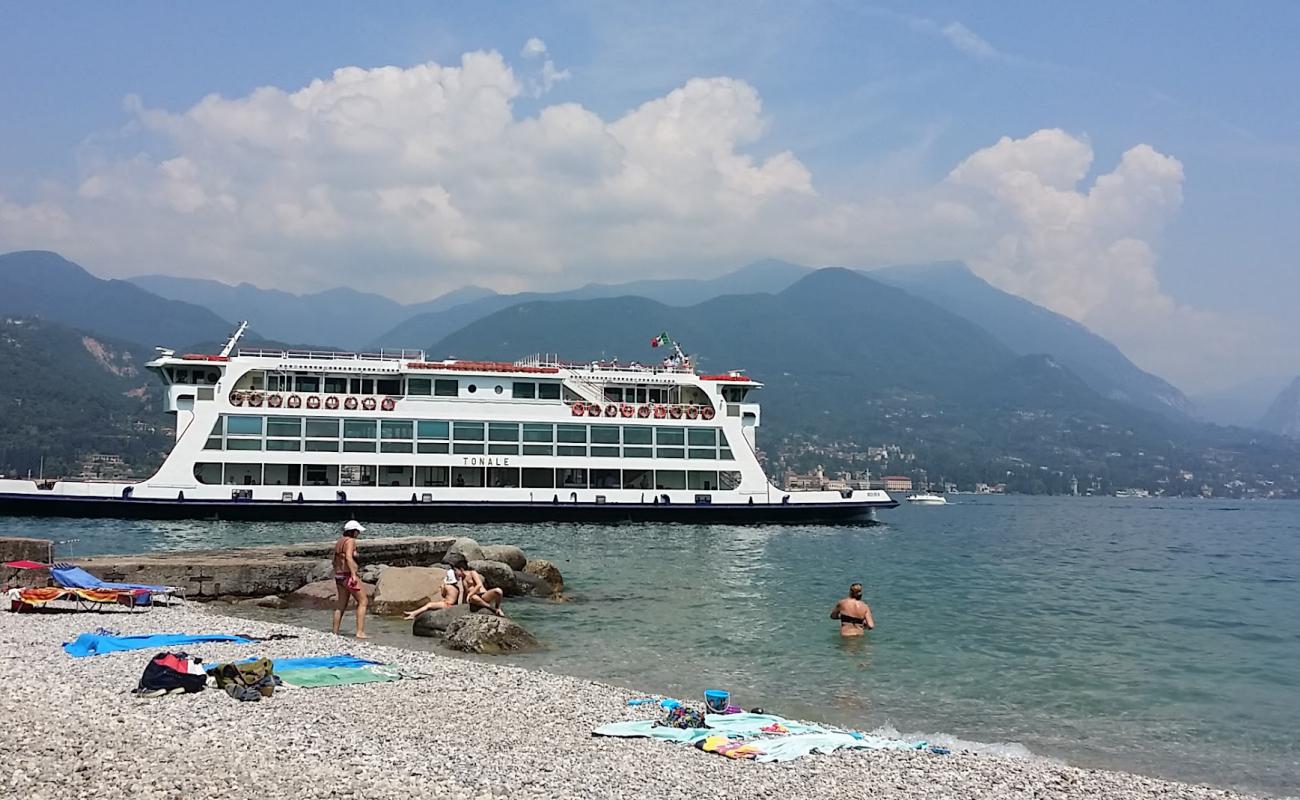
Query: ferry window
[
  {"x": 394, "y": 476},
  {"x": 467, "y": 448},
  {"x": 284, "y": 426},
  {"x": 307, "y": 383},
  {"x": 357, "y": 475},
  {"x": 218, "y": 426},
  {"x": 638, "y": 479},
  {"x": 207, "y": 473},
  {"x": 570, "y": 433},
  {"x": 213, "y": 444},
  {"x": 471, "y": 388},
  {"x": 468, "y": 431},
  {"x": 503, "y": 477},
  {"x": 604, "y": 434},
  {"x": 640, "y": 394},
  {"x": 724, "y": 453},
  {"x": 638, "y": 452},
  {"x": 431, "y": 476},
  {"x": 538, "y": 432},
  {"x": 606, "y": 479},
  {"x": 433, "y": 429},
  {"x": 358, "y": 446},
  {"x": 335, "y": 384},
  {"x": 703, "y": 452},
  {"x": 503, "y": 432},
  {"x": 523, "y": 391},
  {"x": 702, "y": 437},
  {"x": 388, "y": 386},
  {"x": 548, "y": 391},
  {"x": 604, "y": 452},
  {"x": 244, "y": 426},
  {"x": 419, "y": 387},
  {"x": 243, "y": 475},
  {"x": 432, "y": 447},
  {"x": 182, "y": 376},
  {"x": 206, "y": 393},
  {"x": 293, "y": 445},
  {"x": 675, "y": 436},
  {"x": 571, "y": 478},
  {"x": 243, "y": 444},
  {"x": 466, "y": 476},
  {"x": 538, "y": 478},
  {"x": 503, "y": 449},
  {"x": 657, "y": 395},
  {"x": 706, "y": 481},
  {"x": 446, "y": 388},
  {"x": 498, "y": 389},
  {"x": 670, "y": 479},
  {"x": 614, "y": 394},
  {"x": 671, "y": 452},
  {"x": 281, "y": 474},
  {"x": 638, "y": 434},
  {"x": 728, "y": 480},
  {"x": 538, "y": 450},
  {"x": 320, "y": 475},
  {"x": 361, "y": 385},
  {"x": 358, "y": 429},
  {"x": 324, "y": 428},
  {"x": 396, "y": 429},
  {"x": 322, "y": 446},
  {"x": 571, "y": 450},
  {"x": 395, "y": 447}
]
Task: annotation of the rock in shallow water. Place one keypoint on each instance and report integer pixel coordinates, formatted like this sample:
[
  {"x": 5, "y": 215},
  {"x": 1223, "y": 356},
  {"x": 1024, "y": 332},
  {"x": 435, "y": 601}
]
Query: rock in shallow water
[
  {"x": 528, "y": 585},
  {"x": 506, "y": 554},
  {"x": 466, "y": 547},
  {"x": 495, "y": 575},
  {"x": 436, "y": 622},
  {"x": 322, "y": 594},
  {"x": 485, "y": 633},
  {"x": 401, "y": 589},
  {"x": 546, "y": 571}
]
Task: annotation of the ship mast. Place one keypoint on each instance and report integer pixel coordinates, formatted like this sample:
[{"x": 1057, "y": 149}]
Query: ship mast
[{"x": 234, "y": 337}]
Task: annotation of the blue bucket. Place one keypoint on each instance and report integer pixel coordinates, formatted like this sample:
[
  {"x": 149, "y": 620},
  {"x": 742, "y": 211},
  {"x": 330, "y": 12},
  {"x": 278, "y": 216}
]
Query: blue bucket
[{"x": 716, "y": 701}]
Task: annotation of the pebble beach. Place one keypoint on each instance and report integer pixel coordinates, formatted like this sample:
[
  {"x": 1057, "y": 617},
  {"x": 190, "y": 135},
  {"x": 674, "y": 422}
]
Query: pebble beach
[{"x": 465, "y": 729}]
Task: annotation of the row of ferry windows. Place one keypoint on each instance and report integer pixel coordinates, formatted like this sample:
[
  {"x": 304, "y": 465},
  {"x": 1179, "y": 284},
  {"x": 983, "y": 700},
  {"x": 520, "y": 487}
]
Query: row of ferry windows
[
  {"x": 336, "y": 434},
  {"x": 414, "y": 387},
  {"x": 493, "y": 477}
]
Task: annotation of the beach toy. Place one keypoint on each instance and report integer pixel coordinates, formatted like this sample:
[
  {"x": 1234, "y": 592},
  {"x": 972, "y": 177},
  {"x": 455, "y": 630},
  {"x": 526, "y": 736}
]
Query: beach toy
[
  {"x": 716, "y": 701},
  {"x": 640, "y": 701},
  {"x": 940, "y": 751},
  {"x": 669, "y": 703},
  {"x": 734, "y": 710}
]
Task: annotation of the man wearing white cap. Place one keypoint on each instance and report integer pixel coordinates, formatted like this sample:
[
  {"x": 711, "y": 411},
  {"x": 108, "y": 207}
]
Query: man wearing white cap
[{"x": 346, "y": 578}]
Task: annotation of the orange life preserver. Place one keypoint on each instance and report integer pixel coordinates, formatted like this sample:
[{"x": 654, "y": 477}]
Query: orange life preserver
[
  {"x": 707, "y": 412},
  {"x": 389, "y": 404},
  {"x": 255, "y": 399},
  {"x": 314, "y": 402},
  {"x": 295, "y": 401},
  {"x": 611, "y": 410},
  {"x": 593, "y": 410},
  {"x": 330, "y": 402},
  {"x": 275, "y": 401},
  {"x": 643, "y": 412},
  {"x": 579, "y": 409},
  {"x": 236, "y": 398},
  {"x": 368, "y": 404},
  {"x": 675, "y": 412},
  {"x": 626, "y": 410},
  {"x": 660, "y": 412},
  {"x": 692, "y": 412},
  {"x": 350, "y": 403}
]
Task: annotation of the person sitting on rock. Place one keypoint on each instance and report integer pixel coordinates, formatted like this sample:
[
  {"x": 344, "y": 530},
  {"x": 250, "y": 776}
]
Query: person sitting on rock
[
  {"x": 449, "y": 595},
  {"x": 475, "y": 590}
]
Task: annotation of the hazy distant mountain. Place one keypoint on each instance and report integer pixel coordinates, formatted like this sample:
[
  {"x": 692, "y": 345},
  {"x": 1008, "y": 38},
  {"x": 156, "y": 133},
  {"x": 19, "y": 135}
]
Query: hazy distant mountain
[
  {"x": 1027, "y": 328},
  {"x": 343, "y": 318},
  {"x": 1283, "y": 416},
  {"x": 36, "y": 283},
  {"x": 1243, "y": 404}
]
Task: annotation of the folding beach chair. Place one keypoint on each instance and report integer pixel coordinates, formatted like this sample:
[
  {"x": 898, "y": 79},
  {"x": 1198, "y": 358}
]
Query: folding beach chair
[{"x": 70, "y": 576}]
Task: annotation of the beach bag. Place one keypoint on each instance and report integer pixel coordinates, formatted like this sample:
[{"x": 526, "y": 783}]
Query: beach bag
[
  {"x": 172, "y": 672},
  {"x": 682, "y": 717},
  {"x": 248, "y": 676}
]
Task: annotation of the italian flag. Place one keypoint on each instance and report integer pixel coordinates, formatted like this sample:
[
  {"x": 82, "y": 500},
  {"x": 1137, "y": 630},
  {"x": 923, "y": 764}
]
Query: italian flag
[{"x": 660, "y": 340}]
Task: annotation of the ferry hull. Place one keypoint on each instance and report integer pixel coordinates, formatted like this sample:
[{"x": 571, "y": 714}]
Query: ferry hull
[{"x": 434, "y": 512}]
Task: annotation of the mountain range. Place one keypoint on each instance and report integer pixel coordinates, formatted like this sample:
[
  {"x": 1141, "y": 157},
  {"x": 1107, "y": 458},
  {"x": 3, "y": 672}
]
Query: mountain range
[{"x": 1283, "y": 416}]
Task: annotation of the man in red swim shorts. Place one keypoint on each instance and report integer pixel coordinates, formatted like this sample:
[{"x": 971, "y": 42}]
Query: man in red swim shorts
[{"x": 346, "y": 578}]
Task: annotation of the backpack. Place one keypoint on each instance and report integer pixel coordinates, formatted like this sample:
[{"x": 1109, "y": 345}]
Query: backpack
[
  {"x": 244, "y": 680},
  {"x": 172, "y": 672}
]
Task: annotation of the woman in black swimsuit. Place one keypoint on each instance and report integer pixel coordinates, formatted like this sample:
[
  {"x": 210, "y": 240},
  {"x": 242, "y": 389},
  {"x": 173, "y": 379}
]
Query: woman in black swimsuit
[{"x": 853, "y": 614}]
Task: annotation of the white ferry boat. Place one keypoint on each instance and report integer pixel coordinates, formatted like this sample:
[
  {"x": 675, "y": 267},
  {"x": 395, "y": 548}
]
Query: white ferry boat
[
  {"x": 392, "y": 436},
  {"x": 927, "y": 499}
]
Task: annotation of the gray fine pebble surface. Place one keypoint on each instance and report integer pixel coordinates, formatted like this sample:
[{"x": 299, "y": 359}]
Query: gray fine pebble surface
[{"x": 468, "y": 730}]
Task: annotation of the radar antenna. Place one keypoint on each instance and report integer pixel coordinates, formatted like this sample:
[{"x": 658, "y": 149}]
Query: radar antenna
[{"x": 234, "y": 338}]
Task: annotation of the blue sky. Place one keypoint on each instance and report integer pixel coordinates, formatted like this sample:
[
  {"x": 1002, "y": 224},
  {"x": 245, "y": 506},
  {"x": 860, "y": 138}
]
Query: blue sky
[{"x": 871, "y": 102}]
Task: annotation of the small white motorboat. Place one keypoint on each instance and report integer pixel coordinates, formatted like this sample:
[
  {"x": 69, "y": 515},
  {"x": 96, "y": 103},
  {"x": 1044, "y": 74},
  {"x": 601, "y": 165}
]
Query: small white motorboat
[{"x": 928, "y": 499}]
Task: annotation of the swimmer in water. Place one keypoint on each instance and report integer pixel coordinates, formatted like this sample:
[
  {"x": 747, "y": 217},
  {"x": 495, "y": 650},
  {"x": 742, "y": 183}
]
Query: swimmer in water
[{"x": 853, "y": 614}]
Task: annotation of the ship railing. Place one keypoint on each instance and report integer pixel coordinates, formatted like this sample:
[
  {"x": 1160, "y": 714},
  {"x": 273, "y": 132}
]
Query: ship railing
[
  {"x": 336, "y": 355},
  {"x": 605, "y": 366}
]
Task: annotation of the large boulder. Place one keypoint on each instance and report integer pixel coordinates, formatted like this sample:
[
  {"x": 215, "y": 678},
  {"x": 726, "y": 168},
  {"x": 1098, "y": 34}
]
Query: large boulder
[
  {"x": 320, "y": 571},
  {"x": 322, "y": 594},
  {"x": 546, "y": 571},
  {"x": 269, "y": 601},
  {"x": 529, "y": 585},
  {"x": 486, "y": 633},
  {"x": 506, "y": 554},
  {"x": 495, "y": 575},
  {"x": 371, "y": 572},
  {"x": 402, "y": 589},
  {"x": 466, "y": 547},
  {"x": 435, "y": 622}
]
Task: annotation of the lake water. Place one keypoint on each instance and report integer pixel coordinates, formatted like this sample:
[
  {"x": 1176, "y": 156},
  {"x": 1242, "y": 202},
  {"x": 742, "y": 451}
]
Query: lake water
[{"x": 1155, "y": 636}]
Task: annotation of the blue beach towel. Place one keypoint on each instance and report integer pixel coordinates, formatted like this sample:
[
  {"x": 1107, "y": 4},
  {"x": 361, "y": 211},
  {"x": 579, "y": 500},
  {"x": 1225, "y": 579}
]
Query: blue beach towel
[
  {"x": 72, "y": 577},
  {"x": 90, "y": 644},
  {"x": 314, "y": 662}
]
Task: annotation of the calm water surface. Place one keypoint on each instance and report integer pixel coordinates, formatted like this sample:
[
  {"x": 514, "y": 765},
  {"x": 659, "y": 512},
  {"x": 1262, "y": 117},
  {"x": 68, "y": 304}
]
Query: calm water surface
[{"x": 1156, "y": 636}]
